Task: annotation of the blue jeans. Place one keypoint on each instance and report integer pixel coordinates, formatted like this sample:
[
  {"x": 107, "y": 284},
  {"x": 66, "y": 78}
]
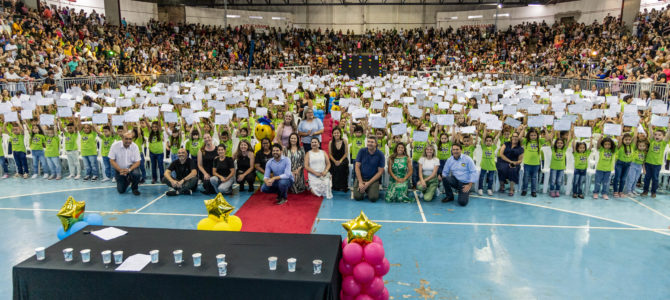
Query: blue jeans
[
  {"x": 54, "y": 166},
  {"x": 602, "y": 182},
  {"x": 634, "y": 173},
  {"x": 415, "y": 173},
  {"x": 38, "y": 157},
  {"x": 278, "y": 186},
  {"x": 21, "y": 162},
  {"x": 555, "y": 180},
  {"x": 123, "y": 181},
  {"x": 620, "y": 172},
  {"x": 157, "y": 161},
  {"x": 530, "y": 173},
  {"x": 652, "y": 176},
  {"x": 109, "y": 171},
  {"x": 488, "y": 175},
  {"x": 90, "y": 165},
  {"x": 143, "y": 168},
  {"x": 578, "y": 181},
  {"x": 450, "y": 182},
  {"x": 3, "y": 162}
]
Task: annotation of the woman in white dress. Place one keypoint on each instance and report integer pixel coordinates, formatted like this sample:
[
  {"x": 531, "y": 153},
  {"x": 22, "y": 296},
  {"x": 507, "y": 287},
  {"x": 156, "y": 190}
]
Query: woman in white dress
[{"x": 317, "y": 165}]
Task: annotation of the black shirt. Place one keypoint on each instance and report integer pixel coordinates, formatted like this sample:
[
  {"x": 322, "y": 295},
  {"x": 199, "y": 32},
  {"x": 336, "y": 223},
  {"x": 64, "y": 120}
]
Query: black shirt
[
  {"x": 223, "y": 167},
  {"x": 262, "y": 158},
  {"x": 182, "y": 170}
]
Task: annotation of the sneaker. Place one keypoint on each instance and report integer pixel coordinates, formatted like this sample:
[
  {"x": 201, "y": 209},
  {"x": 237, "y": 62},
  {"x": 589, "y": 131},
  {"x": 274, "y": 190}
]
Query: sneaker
[
  {"x": 574, "y": 196},
  {"x": 581, "y": 196},
  {"x": 77, "y": 177},
  {"x": 281, "y": 201},
  {"x": 52, "y": 177},
  {"x": 489, "y": 192},
  {"x": 171, "y": 192},
  {"x": 142, "y": 181},
  {"x": 606, "y": 197},
  {"x": 25, "y": 176},
  {"x": 113, "y": 180},
  {"x": 533, "y": 194},
  {"x": 188, "y": 192},
  {"x": 70, "y": 177},
  {"x": 136, "y": 192},
  {"x": 58, "y": 178},
  {"x": 595, "y": 196},
  {"x": 5, "y": 176},
  {"x": 480, "y": 192},
  {"x": 86, "y": 178},
  {"x": 644, "y": 194},
  {"x": 46, "y": 176},
  {"x": 17, "y": 175},
  {"x": 251, "y": 189},
  {"x": 653, "y": 195},
  {"x": 104, "y": 179},
  {"x": 34, "y": 176},
  {"x": 523, "y": 193},
  {"x": 153, "y": 181},
  {"x": 94, "y": 178}
]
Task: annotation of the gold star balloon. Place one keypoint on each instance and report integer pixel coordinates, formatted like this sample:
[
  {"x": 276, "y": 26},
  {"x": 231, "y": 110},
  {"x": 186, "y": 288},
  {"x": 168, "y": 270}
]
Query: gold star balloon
[
  {"x": 361, "y": 229},
  {"x": 71, "y": 212},
  {"x": 219, "y": 208}
]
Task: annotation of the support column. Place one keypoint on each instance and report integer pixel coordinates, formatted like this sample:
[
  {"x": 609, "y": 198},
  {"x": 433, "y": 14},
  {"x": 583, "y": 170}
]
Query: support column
[
  {"x": 113, "y": 12},
  {"x": 629, "y": 10}
]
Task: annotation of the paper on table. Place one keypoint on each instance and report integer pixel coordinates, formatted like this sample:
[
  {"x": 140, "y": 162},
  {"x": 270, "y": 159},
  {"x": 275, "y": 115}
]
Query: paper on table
[
  {"x": 135, "y": 263},
  {"x": 583, "y": 132},
  {"x": 109, "y": 233},
  {"x": 612, "y": 129}
]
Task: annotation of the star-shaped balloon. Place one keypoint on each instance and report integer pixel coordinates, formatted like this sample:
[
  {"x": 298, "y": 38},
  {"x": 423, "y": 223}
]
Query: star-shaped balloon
[
  {"x": 361, "y": 229},
  {"x": 71, "y": 212},
  {"x": 219, "y": 207}
]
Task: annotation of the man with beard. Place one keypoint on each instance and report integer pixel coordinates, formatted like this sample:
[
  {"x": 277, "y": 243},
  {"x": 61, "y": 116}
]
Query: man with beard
[{"x": 278, "y": 177}]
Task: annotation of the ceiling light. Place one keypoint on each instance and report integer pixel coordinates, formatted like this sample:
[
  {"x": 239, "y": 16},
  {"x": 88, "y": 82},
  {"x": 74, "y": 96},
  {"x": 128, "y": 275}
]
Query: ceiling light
[
  {"x": 475, "y": 17},
  {"x": 233, "y": 16},
  {"x": 255, "y": 17}
]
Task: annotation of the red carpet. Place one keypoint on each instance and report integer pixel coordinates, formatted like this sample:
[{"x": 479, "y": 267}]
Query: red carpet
[{"x": 261, "y": 214}]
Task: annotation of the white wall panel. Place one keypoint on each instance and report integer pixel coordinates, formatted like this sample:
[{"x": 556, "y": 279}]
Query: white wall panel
[
  {"x": 215, "y": 16},
  {"x": 137, "y": 12},
  {"x": 87, "y": 5}
]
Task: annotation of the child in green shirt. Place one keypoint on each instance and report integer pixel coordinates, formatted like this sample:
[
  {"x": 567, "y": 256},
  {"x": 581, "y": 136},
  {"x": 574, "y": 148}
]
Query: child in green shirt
[
  {"x": 606, "y": 153},
  {"x": 580, "y": 152},
  {"x": 488, "y": 163},
  {"x": 636, "y": 167},
  {"x": 72, "y": 151},
  {"x": 624, "y": 157},
  {"x": 89, "y": 151},
  {"x": 557, "y": 166},
  {"x": 107, "y": 138},
  {"x": 52, "y": 152},
  {"x": 37, "y": 149},
  {"x": 16, "y": 139}
]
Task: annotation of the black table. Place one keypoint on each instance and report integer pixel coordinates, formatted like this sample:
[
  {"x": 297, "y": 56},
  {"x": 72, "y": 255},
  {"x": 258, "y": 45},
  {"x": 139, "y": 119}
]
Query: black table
[{"x": 246, "y": 254}]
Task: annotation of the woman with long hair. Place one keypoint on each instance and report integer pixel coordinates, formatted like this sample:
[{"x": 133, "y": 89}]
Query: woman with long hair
[
  {"x": 338, "y": 152},
  {"x": 206, "y": 157},
  {"x": 244, "y": 158},
  {"x": 317, "y": 165},
  {"x": 285, "y": 129},
  {"x": 297, "y": 156},
  {"x": 511, "y": 158},
  {"x": 400, "y": 170}
]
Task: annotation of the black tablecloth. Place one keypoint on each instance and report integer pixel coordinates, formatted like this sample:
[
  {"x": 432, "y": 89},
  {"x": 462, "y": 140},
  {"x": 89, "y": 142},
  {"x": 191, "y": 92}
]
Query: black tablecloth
[{"x": 246, "y": 254}]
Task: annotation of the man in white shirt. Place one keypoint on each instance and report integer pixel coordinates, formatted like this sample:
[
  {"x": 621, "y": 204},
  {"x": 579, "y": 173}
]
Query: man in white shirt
[{"x": 124, "y": 156}]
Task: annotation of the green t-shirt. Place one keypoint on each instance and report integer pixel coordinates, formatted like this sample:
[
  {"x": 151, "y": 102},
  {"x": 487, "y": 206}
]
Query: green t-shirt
[
  {"x": 581, "y": 159},
  {"x": 106, "y": 144},
  {"x": 605, "y": 160},
  {"x": 444, "y": 152},
  {"x": 531, "y": 152},
  {"x": 174, "y": 146},
  {"x": 622, "y": 155},
  {"x": 639, "y": 156},
  {"x": 155, "y": 143},
  {"x": 655, "y": 153},
  {"x": 139, "y": 141},
  {"x": 469, "y": 150},
  {"x": 417, "y": 150},
  {"x": 488, "y": 157},
  {"x": 558, "y": 159},
  {"x": 357, "y": 143},
  {"x": 18, "y": 144},
  {"x": 88, "y": 143},
  {"x": 382, "y": 145},
  {"x": 37, "y": 142},
  {"x": 53, "y": 146},
  {"x": 229, "y": 147},
  {"x": 194, "y": 146},
  {"x": 70, "y": 141}
]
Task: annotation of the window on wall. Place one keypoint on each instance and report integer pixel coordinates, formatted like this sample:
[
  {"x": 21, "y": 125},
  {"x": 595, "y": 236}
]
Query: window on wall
[{"x": 568, "y": 20}]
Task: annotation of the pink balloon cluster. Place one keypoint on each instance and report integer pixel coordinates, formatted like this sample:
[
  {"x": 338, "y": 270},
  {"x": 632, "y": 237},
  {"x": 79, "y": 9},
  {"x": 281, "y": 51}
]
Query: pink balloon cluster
[{"x": 363, "y": 269}]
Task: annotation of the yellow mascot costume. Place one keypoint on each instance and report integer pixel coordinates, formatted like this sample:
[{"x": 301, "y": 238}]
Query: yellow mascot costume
[{"x": 264, "y": 129}]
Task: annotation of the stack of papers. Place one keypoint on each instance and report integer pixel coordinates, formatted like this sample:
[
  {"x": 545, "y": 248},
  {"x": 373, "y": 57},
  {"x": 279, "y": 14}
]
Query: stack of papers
[{"x": 109, "y": 233}]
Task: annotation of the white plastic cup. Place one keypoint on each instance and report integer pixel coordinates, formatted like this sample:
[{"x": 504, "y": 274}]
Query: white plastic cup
[
  {"x": 197, "y": 259},
  {"x": 272, "y": 262},
  {"x": 106, "y": 257},
  {"x": 154, "y": 256},
  {"x": 317, "y": 266},
  {"x": 291, "y": 264},
  {"x": 67, "y": 254},
  {"x": 85, "y": 255},
  {"x": 118, "y": 257},
  {"x": 223, "y": 269},
  {"x": 220, "y": 258},
  {"x": 39, "y": 253},
  {"x": 178, "y": 256}
]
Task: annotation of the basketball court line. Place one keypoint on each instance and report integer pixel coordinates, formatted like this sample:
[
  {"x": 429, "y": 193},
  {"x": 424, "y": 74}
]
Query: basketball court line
[
  {"x": 70, "y": 190},
  {"x": 576, "y": 213},
  {"x": 649, "y": 208},
  {"x": 148, "y": 204},
  {"x": 423, "y": 216}
]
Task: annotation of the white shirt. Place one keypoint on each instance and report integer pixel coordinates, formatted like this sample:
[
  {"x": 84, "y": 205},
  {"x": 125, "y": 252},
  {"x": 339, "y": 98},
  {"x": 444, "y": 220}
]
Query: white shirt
[
  {"x": 124, "y": 157},
  {"x": 428, "y": 165}
]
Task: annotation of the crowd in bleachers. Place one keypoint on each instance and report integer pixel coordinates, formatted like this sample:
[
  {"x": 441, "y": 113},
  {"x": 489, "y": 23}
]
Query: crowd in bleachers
[{"x": 55, "y": 43}]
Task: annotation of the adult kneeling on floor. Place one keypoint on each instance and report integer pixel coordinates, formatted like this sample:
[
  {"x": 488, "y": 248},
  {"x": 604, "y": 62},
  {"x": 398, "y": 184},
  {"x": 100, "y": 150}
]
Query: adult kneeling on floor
[
  {"x": 182, "y": 175},
  {"x": 459, "y": 173},
  {"x": 369, "y": 168},
  {"x": 124, "y": 156},
  {"x": 278, "y": 176}
]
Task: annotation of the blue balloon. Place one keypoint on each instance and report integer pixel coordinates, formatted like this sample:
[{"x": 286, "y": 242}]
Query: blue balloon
[
  {"x": 61, "y": 233},
  {"x": 93, "y": 219},
  {"x": 76, "y": 227}
]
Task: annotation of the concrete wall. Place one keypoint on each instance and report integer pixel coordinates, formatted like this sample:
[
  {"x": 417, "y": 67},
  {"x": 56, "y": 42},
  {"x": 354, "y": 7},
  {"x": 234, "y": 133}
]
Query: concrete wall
[
  {"x": 172, "y": 13},
  {"x": 137, "y": 12},
  {"x": 87, "y": 5},
  {"x": 215, "y": 16},
  {"x": 584, "y": 11}
]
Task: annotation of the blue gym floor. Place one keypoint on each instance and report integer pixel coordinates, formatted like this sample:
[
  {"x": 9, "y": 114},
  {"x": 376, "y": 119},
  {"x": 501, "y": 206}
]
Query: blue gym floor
[{"x": 497, "y": 247}]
